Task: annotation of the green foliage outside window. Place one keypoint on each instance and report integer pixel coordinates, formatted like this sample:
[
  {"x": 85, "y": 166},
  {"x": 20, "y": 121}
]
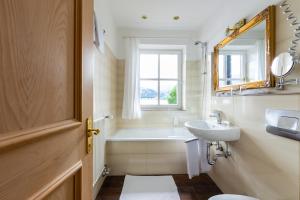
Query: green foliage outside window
[{"x": 172, "y": 97}]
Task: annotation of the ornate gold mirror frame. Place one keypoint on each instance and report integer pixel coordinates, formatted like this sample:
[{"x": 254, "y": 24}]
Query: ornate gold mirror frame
[{"x": 269, "y": 15}]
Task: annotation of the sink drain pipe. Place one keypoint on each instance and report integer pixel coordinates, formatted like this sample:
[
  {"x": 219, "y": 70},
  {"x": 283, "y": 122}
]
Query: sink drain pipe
[{"x": 225, "y": 152}]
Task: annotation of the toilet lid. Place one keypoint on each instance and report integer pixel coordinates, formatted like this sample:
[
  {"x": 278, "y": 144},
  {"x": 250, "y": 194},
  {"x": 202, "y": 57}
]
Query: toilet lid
[{"x": 231, "y": 197}]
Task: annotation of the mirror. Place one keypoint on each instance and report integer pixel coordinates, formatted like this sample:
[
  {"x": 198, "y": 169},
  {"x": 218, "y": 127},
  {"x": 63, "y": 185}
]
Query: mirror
[
  {"x": 282, "y": 65},
  {"x": 243, "y": 60}
]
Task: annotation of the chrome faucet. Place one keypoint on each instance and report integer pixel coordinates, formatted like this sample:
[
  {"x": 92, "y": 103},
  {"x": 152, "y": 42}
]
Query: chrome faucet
[{"x": 217, "y": 114}]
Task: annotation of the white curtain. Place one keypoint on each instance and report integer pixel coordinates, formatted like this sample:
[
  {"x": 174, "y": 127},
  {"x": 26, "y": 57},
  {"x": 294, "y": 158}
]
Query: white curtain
[{"x": 131, "y": 99}]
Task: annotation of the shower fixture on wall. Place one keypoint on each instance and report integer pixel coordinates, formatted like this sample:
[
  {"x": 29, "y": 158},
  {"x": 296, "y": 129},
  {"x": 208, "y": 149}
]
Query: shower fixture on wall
[
  {"x": 294, "y": 22},
  {"x": 203, "y": 46},
  {"x": 204, "y": 78},
  {"x": 196, "y": 43}
]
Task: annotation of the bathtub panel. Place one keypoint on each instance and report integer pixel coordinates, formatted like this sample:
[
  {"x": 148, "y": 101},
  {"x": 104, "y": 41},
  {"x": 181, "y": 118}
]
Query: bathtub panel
[
  {"x": 126, "y": 148},
  {"x": 127, "y": 164},
  {"x": 147, "y": 164},
  {"x": 147, "y": 151},
  {"x": 149, "y": 158},
  {"x": 166, "y": 163},
  {"x": 165, "y": 147},
  {"x": 136, "y": 164},
  {"x": 118, "y": 164}
]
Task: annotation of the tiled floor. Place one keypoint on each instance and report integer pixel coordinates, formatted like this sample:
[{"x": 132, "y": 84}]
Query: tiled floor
[{"x": 199, "y": 188}]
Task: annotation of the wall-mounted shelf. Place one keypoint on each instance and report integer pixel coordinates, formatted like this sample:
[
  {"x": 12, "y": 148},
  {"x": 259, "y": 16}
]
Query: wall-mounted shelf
[{"x": 284, "y": 123}]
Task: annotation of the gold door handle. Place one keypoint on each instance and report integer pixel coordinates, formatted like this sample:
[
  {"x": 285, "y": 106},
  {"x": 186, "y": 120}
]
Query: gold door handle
[
  {"x": 95, "y": 131},
  {"x": 90, "y": 131}
]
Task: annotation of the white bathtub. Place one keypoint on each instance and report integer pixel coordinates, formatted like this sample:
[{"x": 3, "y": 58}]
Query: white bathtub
[
  {"x": 151, "y": 134},
  {"x": 147, "y": 151}
]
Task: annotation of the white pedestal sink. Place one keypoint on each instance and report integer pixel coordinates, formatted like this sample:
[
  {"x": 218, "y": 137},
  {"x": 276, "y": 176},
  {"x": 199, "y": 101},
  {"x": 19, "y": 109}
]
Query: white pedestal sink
[{"x": 212, "y": 131}]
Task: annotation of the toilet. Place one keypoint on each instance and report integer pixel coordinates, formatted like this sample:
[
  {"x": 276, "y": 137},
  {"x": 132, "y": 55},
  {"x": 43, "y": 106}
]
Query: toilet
[{"x": 231, "y": 197}]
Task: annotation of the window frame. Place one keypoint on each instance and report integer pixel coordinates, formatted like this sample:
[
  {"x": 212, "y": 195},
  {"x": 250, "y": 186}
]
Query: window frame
[
  {"x": 179, "y": 79},
  {"x": 243, "y": 63}
]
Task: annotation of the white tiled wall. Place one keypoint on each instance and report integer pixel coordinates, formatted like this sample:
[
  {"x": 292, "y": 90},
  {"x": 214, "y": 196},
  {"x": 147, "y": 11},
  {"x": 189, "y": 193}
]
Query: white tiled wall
[
  {"x": 105, "y": 79},
  {"x": 262, "y": 165}
]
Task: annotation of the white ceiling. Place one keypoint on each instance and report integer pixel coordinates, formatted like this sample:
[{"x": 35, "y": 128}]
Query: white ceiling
[{"x": 194, "y": 13}]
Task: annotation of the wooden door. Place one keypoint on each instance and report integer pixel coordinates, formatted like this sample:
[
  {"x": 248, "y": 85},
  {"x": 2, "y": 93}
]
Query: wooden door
[{"x": 45, "y": 98}]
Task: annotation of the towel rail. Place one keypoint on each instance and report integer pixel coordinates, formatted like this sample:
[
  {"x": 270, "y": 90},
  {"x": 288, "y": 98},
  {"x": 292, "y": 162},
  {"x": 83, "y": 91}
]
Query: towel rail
[{"x": 103, "y": 118}]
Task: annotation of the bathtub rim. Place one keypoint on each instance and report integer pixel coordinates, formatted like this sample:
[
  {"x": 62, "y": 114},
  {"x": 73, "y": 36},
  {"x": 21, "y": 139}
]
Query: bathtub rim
[{"x": 186, "y": 136}]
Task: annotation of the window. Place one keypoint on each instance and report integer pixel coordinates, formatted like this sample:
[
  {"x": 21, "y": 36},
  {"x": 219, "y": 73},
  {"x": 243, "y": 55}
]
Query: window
[
  {"x": 229, "y": 61},
  {"x": 160, "y": 79}
]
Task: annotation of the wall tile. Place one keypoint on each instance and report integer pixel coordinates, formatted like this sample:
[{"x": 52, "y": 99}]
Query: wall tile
[
  {"x": 226, "y": 105},
  {"x": 105, "y": 92},
  {"x": 262, "y": 165}
]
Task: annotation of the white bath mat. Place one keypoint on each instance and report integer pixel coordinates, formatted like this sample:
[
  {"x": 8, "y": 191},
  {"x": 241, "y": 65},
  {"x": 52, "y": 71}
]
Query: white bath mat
[{"x": 149, "y": 188}]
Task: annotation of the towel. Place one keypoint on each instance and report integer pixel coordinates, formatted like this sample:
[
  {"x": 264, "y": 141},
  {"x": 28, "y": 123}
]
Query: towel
[
  {"x": 196, "y": 157},
  {"x": 149, "y": 188},
  {"x": 204, "y": 166},
  {"x": 192, "y": 157}
]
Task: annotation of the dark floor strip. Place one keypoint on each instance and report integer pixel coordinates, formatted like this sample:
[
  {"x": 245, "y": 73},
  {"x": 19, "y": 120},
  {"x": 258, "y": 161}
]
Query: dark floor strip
[{"x": 199, "y": 188}]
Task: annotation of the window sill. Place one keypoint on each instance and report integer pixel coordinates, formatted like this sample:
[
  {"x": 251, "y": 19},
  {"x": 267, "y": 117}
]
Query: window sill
[{"x": 163, "y": 109}]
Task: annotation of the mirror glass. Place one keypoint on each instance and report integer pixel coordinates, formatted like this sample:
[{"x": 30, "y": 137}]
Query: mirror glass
[
  {"x": 243, "y": 60},
  {"x": 282, "y": 65}
]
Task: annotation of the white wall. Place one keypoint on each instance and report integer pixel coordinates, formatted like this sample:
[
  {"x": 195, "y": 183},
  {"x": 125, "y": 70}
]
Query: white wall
[
  {"x": 214, "y": 30},
  {"x": 114, "y": 36},
  {"x": 105, "y": 21},
  {"x": 262, "y": 165},
  {"x": 186, "y": 38}
]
